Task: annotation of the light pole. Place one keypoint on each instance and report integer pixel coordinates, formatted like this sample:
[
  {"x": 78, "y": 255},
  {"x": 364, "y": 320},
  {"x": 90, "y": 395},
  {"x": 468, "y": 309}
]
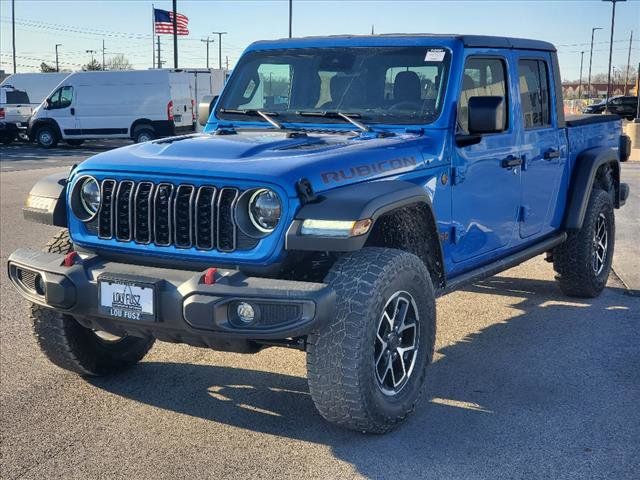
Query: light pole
[
  {"x": 613, "y": 24},
  {"x": 219, "y": 47},
  {"x": 580, "y": 81},
  {"x": 57, "y": 67},
  {"x": 13, "y": 32},
  {"x": 91, "y": 52},
  {"x": 290, "y": 17},
  {"x": 593, "y": 30}
]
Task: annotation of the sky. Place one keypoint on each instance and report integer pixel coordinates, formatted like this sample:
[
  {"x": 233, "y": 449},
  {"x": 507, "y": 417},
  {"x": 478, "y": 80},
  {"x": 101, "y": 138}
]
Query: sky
[{"x": 125, "y": 27}]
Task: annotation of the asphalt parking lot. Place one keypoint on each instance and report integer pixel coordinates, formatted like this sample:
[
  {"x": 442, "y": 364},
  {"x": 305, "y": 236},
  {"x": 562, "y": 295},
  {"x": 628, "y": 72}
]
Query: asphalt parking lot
[{"x": 526, "y": 384}]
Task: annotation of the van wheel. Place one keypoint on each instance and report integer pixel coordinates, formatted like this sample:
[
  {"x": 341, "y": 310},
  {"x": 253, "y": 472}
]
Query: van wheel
[
  {"x": 76, "y": 348},
  {"x": 583, "y": 261},
  {"x": 75, "y": 143},
  {"x": 46, "y": 137},
  {"x": 366, "y": 367},
  {"x": 143, "y": 134}
]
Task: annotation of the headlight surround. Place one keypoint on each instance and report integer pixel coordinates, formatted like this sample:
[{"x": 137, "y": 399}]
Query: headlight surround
[
  {"x": 86, "y": 198},
  {"x": 265, "y": 210}
]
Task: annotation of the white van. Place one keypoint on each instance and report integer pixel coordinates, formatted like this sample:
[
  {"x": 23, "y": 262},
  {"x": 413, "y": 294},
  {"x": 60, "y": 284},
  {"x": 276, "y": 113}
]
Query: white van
[{"x": 141, "y": 105}]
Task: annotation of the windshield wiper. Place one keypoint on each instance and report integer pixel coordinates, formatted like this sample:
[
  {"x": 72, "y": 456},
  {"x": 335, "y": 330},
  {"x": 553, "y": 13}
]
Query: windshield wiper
[
  {"x": 349, "y": 117},
  {"x": 266, "y": 115}
]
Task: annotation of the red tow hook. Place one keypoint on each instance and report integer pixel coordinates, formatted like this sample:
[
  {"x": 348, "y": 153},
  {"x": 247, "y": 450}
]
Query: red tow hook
[
  {"x": 209, "y": 277},
  {"x": 70, "y": 259}
]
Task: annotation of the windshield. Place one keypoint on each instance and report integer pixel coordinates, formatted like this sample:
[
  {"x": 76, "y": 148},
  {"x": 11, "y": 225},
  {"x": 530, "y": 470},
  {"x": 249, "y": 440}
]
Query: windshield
[{"x": 395, "y": 85}]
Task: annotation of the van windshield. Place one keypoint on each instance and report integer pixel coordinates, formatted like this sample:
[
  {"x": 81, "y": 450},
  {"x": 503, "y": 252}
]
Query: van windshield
[{"x": 395, "y": 85}]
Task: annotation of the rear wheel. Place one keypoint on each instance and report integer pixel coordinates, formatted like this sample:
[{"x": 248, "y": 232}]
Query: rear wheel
[
  {"x": 76, "y": 348},
  {"x": 366, "y": 367},
  {"x": 143, "y": 133},
  {"x": 583, "y": 261},
  {"x": 47, "y": 137}
]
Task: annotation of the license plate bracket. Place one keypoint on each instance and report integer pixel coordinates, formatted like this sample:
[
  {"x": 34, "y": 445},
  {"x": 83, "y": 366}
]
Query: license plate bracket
[{"x": 127, "y": 297}]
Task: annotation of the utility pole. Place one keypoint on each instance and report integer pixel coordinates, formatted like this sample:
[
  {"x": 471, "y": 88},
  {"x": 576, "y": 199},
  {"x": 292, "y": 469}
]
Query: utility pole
[
  {"x": 290, "y": 18},
  {"x": 57, "y": 67},
  {"x": 227, "y": 62},
  {"x": 613, "y": 24},
  {"x": 593, "y": 30},
  {"x": 219, "y": 47},
  {"x": 103, "y": 54},
  {"x": 626, "y": 76},
  {"x": 580, "y": 82},
  {"x": 175, "y": 35},
  {"x": 207, "y": 41},
  {"x": 13, "y": 32}
]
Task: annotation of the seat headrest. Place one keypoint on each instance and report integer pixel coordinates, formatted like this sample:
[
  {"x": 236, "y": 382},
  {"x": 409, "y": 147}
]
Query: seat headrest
[{"x": 406, "y": 87}]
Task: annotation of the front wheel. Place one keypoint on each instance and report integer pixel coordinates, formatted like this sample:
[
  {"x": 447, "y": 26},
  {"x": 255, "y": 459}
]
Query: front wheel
[
  {"x": 583, "y": 261},
  {"x": 46, "y": 137},
  {"x": 76, "y": 348},
  {"x": 143, "y": 134},
  {"x": 366, "y": 367}
]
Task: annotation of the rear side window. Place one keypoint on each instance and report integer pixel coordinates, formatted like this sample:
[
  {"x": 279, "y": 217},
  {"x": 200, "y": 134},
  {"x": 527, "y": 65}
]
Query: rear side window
[
  {"x": 534, "y": 93},
  {"x": 483, "y": 77},
  {"x": 16, "y": 97}
]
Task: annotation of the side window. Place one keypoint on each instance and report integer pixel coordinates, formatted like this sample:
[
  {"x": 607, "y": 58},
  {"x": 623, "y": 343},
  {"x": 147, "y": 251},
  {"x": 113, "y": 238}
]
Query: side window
[
  {"x": 534, "y": 93},
  {"x": 483, "y": 77},
  {"x": 61, "y": 98}
]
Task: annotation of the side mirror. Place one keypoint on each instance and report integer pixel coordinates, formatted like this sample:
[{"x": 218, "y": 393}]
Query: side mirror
[
  {"x": 486, "y": 115},
  {"x": 205, "y": 107},
  {"x": 47, "y": 103}
]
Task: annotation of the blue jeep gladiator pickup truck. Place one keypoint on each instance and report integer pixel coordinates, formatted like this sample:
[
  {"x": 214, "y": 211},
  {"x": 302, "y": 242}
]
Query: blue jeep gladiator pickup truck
[{"x": 341, "y": 184}]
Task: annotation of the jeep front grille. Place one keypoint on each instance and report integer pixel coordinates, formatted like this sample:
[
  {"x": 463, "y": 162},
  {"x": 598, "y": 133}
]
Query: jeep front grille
[{"x": 164, "y": 214}]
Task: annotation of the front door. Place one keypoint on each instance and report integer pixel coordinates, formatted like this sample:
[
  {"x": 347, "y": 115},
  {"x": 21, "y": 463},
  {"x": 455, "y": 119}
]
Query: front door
[
  {"x": 486, "y": 176},
  {"x": 542, "y": 156},
  {"x": 61, "y": 108}
]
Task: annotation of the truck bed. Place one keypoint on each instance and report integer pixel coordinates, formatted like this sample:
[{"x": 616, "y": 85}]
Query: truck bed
[{"x": 589, "y": 131}]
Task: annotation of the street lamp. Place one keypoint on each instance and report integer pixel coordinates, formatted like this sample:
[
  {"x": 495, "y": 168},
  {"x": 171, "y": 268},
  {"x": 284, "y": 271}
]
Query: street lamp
[
  {"x": 593, "y": 30},
  {"x": 57, "y": 45},
  {"x": 613, "y": 23},
  {"x": 219, "y": 47}
]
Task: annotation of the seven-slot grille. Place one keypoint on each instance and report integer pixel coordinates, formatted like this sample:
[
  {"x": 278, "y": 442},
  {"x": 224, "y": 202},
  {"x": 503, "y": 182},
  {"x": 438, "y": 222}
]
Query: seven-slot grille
[{"x": 164, "y": 214}]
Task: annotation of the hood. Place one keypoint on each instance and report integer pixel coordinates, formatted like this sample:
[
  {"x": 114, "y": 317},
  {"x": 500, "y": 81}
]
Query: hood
[{"x": 326, "y": 160}]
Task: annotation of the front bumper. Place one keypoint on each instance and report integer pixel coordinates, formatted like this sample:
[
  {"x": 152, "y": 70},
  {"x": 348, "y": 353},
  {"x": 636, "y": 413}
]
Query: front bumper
[{"x": 186, "y": 309}]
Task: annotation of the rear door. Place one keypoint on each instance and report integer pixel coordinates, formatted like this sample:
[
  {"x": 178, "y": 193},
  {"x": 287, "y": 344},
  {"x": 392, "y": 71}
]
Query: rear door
[
  {"x": 486, "y": 192},
  {"x": 543, "y": 157},
  {"x": 180, "y": 90}
]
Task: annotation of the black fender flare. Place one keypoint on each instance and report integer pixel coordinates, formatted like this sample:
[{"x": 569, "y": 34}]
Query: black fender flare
[
  {"x": 584, "y": 175},
  {"x": 47, "y": 201},
  {"x": 33, "y": 129},
  {"x": 361, "y": 201}
]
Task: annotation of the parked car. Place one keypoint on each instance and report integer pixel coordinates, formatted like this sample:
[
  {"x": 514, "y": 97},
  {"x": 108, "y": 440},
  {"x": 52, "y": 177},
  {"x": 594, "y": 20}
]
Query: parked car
[
  {"x": 15, "y": 112},
  {"x": 141, "y": 105},
  {"x": 387, "y": 170},
  {"x": 626, "y": 107}
]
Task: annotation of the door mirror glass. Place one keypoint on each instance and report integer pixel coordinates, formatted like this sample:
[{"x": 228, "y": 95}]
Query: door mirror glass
[
  {"x": 486, "y": 115},
  {"x": 205, "y": 107}
]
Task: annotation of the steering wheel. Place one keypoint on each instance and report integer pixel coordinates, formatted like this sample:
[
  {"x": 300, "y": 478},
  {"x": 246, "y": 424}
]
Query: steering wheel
[{"x": 406, "y": 105}]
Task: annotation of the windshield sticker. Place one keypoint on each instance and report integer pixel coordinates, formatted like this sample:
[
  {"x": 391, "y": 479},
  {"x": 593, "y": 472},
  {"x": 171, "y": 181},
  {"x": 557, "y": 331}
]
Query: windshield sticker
[{"x": 434, "y": 55}]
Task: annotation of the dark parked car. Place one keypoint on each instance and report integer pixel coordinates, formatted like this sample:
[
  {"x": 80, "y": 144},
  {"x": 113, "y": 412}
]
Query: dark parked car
[{"x": 626, "y": 107}]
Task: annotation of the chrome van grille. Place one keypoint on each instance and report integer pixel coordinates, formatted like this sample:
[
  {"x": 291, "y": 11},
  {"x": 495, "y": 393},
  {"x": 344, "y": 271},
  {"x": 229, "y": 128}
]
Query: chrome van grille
[{"x": 164, "y": 214}]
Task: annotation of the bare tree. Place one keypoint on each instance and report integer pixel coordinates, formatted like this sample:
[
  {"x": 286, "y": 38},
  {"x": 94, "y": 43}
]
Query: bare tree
[{"x": 119, "y": 62}]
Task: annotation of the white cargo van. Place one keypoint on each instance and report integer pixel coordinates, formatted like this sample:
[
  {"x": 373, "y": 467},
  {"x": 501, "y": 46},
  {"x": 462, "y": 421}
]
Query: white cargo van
[{"x": 141, "y": 105}]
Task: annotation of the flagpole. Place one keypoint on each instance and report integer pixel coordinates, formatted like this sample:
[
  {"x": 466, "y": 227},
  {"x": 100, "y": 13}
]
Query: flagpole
[
  {"x": 153, "y": 36},
  {"x": 175, "y": 35}
]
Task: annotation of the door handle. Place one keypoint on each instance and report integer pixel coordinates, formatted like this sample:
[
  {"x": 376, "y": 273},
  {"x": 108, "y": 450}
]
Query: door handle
[
  {"x": 73, "y": 111},
  {"x": 551, "y": 154},
  {"x": 511, "y": 161}
]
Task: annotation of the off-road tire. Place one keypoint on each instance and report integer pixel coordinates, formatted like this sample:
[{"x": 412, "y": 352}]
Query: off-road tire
[
  {"x": 46, "y": 130},
  {"x": 340, "y": 355},
  {"x": 572, "y": 260},
  {"x": 78, "y": 349}
]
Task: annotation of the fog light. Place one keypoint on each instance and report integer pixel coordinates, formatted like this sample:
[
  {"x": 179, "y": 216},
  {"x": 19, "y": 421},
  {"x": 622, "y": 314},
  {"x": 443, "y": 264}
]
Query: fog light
[
  {"x": 39, "y": 284},
  {"x": 246, "y": 313}
]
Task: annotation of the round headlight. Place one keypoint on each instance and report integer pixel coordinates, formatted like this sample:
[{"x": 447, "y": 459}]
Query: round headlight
[
  {"x": 265, "y": 210},
  {"x": 90, "y": 196}
]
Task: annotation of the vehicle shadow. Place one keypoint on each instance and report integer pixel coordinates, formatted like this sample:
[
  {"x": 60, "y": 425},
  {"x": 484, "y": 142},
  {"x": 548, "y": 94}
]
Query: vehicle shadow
[
  {"x": 550, "y": 392},
  {"x": 20, "y": 151}
]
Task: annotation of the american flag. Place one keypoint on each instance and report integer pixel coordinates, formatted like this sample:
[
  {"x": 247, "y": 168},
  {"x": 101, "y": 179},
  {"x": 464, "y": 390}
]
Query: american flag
[{"x": 163, "y": 21}]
